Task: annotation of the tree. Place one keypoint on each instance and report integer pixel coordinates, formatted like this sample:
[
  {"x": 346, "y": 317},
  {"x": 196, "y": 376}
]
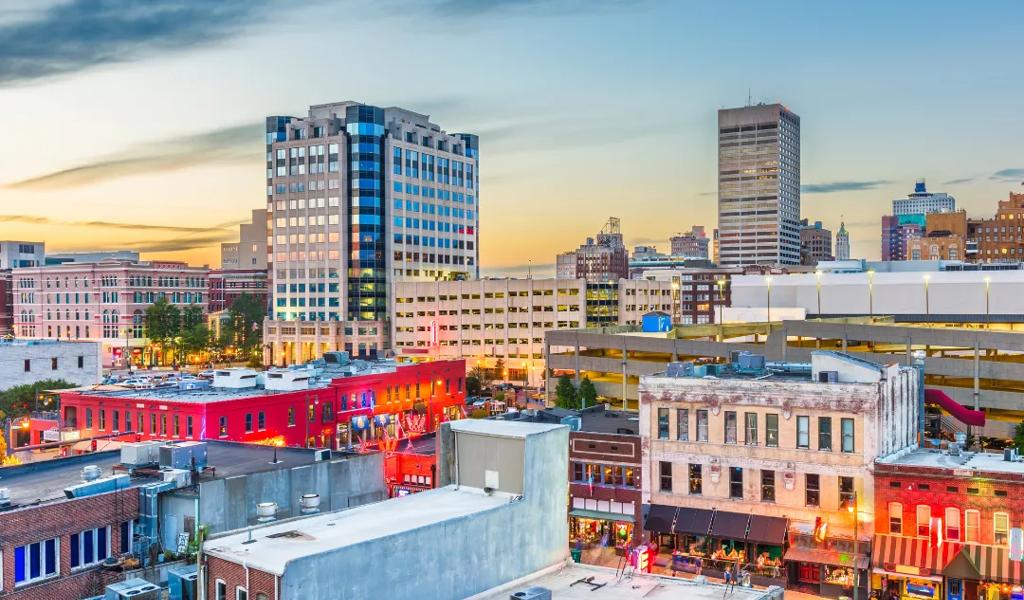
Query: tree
[
  {"x": 19, "y": 400},
  {"x": 473, "y": 386},
  {"x": 1018, "y": 437},
  {"x": 244, "y": 326},
  {"x": 499, "y": 369},
  {"x": 587, "y": 392},
  {"x": 163, "y": 323},
  {"x": 191, "y": 316},
  {"x": 482, "y": 376},
  {"x": 195, "y": 339},
  {"x": 565, "y": 393}
]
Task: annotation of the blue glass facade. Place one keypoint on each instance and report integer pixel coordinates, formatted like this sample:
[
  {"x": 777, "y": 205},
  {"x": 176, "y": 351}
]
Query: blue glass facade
[{"x": 367, "y": 268}]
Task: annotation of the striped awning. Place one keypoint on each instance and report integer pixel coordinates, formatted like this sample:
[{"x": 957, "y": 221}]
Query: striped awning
[
  {"x": 993, "y": 563},
  {"x": 911, "y": 555}
]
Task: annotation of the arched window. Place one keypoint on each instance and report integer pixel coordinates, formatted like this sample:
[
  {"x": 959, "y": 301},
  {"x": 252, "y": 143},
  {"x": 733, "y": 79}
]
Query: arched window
[{"x": 895, "y": 518}]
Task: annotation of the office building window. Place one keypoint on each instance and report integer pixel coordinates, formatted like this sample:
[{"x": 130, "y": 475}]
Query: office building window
[
  {"x": 33, "y": 562},
  {"x": 683, "y": 424},
  {"x": 767, "y": 486},
  {"x": 771, "y": 430},
  {"x": 846, "y": 426},
  {"x": 730, "y": 427},
  {"x": 696, "y": 479},
  {"x": 825, "y": 433},
  {"x": 1000, "y": 528},
  {"x": 665, "y": 475},
  {"x": 803, "y": 432},
  {"x": 812, "y": 491},
  {"x": 702, "y": 425},
  {"x": 736, "y": 482},
  {"x": 924, "y": 517},
  {"x": 750, "y": 428},
  {"x": 895, "y": 518},
  {"x": 90, "y": 547},
  {"x": 662, "y": 423}
]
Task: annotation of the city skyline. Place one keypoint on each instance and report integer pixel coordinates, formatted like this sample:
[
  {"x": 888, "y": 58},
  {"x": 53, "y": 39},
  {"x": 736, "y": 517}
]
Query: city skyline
[{"x": 160, "y": 148}]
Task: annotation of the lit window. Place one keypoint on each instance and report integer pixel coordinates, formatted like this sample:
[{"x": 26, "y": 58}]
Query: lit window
[
  {"x": 895, "y": 518},
  {"x": 924, "y": 516}
]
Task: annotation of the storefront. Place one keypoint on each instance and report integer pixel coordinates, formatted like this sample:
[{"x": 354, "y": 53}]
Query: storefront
[
  {"x": 766, "y": 544},
  {"x": 598, "y": 528},
  {"x": 985, "y": 572},
  {"x": 828, "y": 573},
  {"x": 728, "y": 543},
  {"x": 911, "y": 568}
]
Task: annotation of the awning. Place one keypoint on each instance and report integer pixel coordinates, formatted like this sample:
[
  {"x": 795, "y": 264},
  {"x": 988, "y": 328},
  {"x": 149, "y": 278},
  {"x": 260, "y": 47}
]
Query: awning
[
  {"x": 912, "y": 556},
  {"x": 693, "y": 521},
  {"x": 600, "y": 514},
  {"x": 993, "y": 563},
  {"x": 959, "y": 411},
  {"x": 826, "y": 557},
  {"x": 767, "y": 530},
  {"x": 659, "y": 518},
  {"x": 729, "y": 525}
]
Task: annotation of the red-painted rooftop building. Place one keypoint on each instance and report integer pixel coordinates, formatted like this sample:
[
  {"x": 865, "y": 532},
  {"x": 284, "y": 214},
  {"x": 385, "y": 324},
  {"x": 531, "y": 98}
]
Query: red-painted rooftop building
[{"x": 358, "y": 404}]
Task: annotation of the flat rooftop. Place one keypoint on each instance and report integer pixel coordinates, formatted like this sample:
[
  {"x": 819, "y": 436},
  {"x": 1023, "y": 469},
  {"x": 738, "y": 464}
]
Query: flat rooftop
[
  {"x": 272, "y": 547},
  {"x": 610, "y": 421},
  {"x": 499, "y": 428},
  {"x": 200, "y": 396},
  {"x": 938, "y": 459},
  {"x": 648, "y": 587},
  {"x": 44, "y": 481}
]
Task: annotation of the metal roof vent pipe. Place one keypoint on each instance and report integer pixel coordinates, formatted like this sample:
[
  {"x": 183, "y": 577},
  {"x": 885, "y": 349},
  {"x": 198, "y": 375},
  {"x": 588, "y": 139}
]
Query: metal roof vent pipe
[
  {"x": 265, "y": 511},
  {"x": 310, "y": 503},
  {"x": 91, "y": 472}
]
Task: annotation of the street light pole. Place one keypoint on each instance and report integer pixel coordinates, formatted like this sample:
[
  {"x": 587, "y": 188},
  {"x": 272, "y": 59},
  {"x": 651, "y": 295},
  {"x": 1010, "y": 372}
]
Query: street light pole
[
  {"x": 856, "y": 545},
  {"x": 927, "y": 307},
  {"x": 988, "y": 322},
  {"x": 871, "y": 294},
  {"x": 817, "y": 277},
  {"x": 768, "y": 280},
  {"x": 721, "y": 307}
]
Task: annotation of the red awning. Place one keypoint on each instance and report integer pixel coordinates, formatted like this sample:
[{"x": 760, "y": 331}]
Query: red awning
[
  {"x": 994, "y": 564},
  {"x": 962, "y": 414},
  {"x": 898, "y": 554}
]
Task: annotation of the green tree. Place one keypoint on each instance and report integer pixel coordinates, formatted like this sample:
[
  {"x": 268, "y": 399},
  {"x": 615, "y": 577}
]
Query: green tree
[
  {"x": 473, "y": 386},
  {"x": 19, "y": 400},
  {"x": 163, "y": 323},
  {"x": 192, "y": 316},
  {"x": 499, "y": 369},
  {"x": 482, "y": 376},
  {"x": 244, "y": 326},
  {"x": 1018, "y": 437},
  {"x": 565, "y": 393},
  {"x": 195, "y": 339},
  {"x": 587, "y": 392}
]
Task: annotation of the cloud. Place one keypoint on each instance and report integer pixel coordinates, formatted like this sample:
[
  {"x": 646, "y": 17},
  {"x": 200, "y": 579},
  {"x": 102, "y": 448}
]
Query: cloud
[
  {"x": 77, "y": 35},
  {"x": 35, "y": 220},
  {"x": 1014, "y": 175},
  {"x": 960, "y": 180},
  {"x": 238, "y": 143},
  {"x": 179, "y": 244},
  {"x": 474, "y": 8},
  {"x": 532, "y": 269},
  {"x": 841, "y": 186}
]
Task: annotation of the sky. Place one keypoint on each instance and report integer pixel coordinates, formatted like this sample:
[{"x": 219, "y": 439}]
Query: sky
[{"x": 139, "y": 125}]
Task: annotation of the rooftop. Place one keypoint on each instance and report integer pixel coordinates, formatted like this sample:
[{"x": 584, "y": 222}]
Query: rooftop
[
  {"x": 45, "y": 481},
  {"x": 272, "y": 547},
  {"x": 497, "y": 428},
  {"x": 424, "y": 445},
  {"x": 978, "y": 462},
  {"x": 560, "y": 581}
]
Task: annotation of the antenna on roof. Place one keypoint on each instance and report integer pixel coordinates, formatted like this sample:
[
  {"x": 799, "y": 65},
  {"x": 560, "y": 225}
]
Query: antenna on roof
[{"x": 749, "y": 98}]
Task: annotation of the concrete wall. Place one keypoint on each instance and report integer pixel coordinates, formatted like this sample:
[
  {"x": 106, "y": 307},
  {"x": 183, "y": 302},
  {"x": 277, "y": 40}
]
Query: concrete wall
[
  {"x": 459, "y": 557},
  {"x": 230, "y": 502},
  {"x": 40, "y": 356}
]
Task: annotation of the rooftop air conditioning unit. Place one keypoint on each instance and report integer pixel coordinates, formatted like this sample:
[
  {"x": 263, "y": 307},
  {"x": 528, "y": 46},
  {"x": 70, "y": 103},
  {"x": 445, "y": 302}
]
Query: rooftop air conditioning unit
[
  {"x": 180, "y": 455},
  {"x": 289, "y": 380},
  {"x": 234, "y": 379},
  {"x": 140, "y": 453},
  {"x": 532, "y": 593},
  {"x": 133, "y": 589},
  {"x": 181, "y": 583},
  {"x": 91, "y": 472},
  {"x": 180, "y": 477},
  {"x": 753, "y": 362}
]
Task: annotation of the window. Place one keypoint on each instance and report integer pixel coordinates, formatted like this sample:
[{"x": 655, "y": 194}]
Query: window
[
  {"x": 1000, "y": 528},
  {"x": 662, "y": 423},
  {"x": 702, "y": 425},
  {"x": 81, "y": 360},
  {"x": 812, "y": 492},
  {"x": 972, "y": 525},
  {"x": 924, "y": 517},
  {"x": 696, "y": 479},
  {"x": 291, "y": 416},
  {"x": 221, "y": 590},
  {"x": 846, "y": 492},
  {"x": 90, "y": 547},
  {"x": 803, "y": 432},
  {"x": 53, "y": 363},
  {"x": 895, "y": 518},
  {"x": 126, "y": 536},
  {"x": 825, "y": 433},
  {"x": 248, "y": 422},
  {"x": 730, "y": 427},
  {"x": 771, "y": 430},
  {"x": 750, "y": 428},
  {"x": 736, "y": 482},
  {"x": 222, "y": 427},
  {"x": 846, "y": 427},
  {"x": 36, "y": 561},
  {"x": 188, "y": 426},
  {"x": 683, "y": 424},
  {"x": 261, "y": 420},
  {"x": 28, "y": 365},
  {"x": 952, "y": 523},
  {"x": 767, "y": 486},
  {"x": 241, "y": 593},
  {"x": 665, "y": 472}
]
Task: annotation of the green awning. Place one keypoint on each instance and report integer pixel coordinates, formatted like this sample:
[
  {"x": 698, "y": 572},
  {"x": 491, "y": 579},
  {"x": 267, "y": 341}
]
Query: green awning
[{"x": 598, "y": 514}]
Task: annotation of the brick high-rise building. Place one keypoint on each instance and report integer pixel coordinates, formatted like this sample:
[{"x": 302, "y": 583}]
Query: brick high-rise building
[
  {"x": 1001, "y": 238},
  {"x": 759, "y": 185},
  {"x": 692, "y": 244},
  {"x": 815, "y": 243},
  {"x": 358, "y": 197},
  {"x": 603, "y": 260}
]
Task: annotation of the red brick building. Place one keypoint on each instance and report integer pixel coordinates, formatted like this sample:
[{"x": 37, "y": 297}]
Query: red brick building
[
  {"x": 411, "y": 466},
  {"x": 385, "y": 400},
  {"x": 52, "y": 547},
  {"x": 226, "y": 285},
  {"x": 944, "y": 521}
]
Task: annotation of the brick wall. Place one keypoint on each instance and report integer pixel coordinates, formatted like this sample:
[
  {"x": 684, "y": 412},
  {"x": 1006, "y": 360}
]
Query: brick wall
[
  {"x": 234, "y": 575},
  {"x": 61, "y": 519}
]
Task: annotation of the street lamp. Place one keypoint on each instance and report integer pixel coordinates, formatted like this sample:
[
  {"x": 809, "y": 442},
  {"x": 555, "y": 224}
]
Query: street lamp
[
  {"x": 988, "y": 284},
  {"x": 871, "y": 293},
  {"x": 817, "y": 277},
  {"x": 768, "y": 281},
  {"x": 721, "y": 300},
  {"x": 927, "y": 306},
  {"x": 853, "y": 508}
]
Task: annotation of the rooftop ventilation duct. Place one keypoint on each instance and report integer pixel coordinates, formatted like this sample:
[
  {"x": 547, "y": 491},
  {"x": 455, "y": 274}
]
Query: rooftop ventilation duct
[
  {"x": 91, "y": 473},
  {"x": 310, "y": 503},
  {"x": 266, "y": 511}
]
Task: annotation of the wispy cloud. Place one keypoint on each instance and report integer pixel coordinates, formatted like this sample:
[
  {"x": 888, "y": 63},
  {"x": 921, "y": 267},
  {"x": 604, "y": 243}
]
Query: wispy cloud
[
  {"x": 960, "y": 180},
  {"x": 1014, "y": 175},
  {"x": 36, "y": 220},
  {"x": 76, "y": 35},
  {"x": 231, "y": 144},
  {"x": 473, "y": 8},
  {"x": 841, "y": 186},
  {"x": 178, "y": 244},
  {"x": 531, "y": 269}
]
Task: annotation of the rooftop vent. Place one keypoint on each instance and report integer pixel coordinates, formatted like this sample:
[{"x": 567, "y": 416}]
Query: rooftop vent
[
  {"x": 750, "y": 362},
  {"x": 91, "y": 473},
  {"x": 679, "y": 369},
  {"x": 532, "y": 593},
  {"x": 310, "y": 503},
  {"x": 265, "y": 511}
]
